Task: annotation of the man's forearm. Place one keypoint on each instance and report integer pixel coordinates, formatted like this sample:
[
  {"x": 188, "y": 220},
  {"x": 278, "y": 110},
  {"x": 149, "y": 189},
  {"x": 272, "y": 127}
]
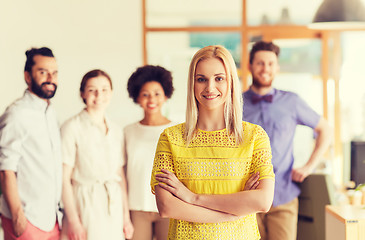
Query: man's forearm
[
  {"x": 322, "y": 143},
  {"x": 10, "y": 190}
]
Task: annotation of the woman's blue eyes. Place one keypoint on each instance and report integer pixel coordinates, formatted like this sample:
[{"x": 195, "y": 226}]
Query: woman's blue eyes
[
  {"x": 218, "y": 79},
  {"x": 93, "y": 90}
]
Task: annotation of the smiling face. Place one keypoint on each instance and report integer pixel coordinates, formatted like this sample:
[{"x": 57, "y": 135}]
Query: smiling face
[
  {"x": 97, "y": 93},
  {"x": 42, "y": 80},
  {"x": 264, "y": 68},
  {"x": 210, "y": 84},
  {"x": 151, "y": 97}
]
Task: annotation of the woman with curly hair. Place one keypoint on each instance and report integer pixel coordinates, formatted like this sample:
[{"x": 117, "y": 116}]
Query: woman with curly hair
[{"x": 150, "y": 87}]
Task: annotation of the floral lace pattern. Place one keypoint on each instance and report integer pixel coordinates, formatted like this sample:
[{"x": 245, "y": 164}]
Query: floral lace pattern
[
  {"x": 221, "y": 168},
  {"x": 221, "y": 231},
  {"x": 213, "y": 164}
]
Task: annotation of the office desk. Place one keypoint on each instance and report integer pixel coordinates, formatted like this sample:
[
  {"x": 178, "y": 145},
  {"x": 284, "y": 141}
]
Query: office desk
[{"x": 345, "y": 222}]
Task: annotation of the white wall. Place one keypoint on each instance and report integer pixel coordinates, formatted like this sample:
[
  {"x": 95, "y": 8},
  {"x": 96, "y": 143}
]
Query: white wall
[{"x": 83, "y": 34}]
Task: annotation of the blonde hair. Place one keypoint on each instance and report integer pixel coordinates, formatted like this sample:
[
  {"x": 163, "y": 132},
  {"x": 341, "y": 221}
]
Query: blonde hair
[{"x": 233, "y": 105}]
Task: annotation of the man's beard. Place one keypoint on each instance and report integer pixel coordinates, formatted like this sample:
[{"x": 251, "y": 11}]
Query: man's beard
[
  {"x": 38, "y": 89},
  {"x": 258, "y": 84}
]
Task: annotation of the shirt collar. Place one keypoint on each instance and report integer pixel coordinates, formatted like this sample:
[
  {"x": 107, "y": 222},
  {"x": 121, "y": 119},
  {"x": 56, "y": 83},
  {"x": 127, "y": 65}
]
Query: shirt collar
[
  {"x": 251, "y": 93},
  {"x": 35, "y": 101},
  {"x": 86, "y": 117}
]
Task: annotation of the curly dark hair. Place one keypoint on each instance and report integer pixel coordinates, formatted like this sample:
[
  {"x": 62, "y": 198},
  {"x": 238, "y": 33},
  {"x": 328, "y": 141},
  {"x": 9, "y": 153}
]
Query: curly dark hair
[
  {"x": 149, "y": 73},
  {"x": 263, "y": 46}
]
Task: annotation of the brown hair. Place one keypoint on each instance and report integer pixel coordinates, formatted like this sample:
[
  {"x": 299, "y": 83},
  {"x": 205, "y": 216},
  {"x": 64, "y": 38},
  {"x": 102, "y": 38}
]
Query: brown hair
[
  {"x": 263, "y": 46},
  {"x": 92, "y": 74}
]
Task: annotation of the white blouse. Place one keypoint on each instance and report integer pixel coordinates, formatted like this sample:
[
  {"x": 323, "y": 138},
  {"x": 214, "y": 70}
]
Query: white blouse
[
  {"x": 140, "y": 146},
  {"x": 94, "y": 155},
  {"x": 96, "y": 159}
]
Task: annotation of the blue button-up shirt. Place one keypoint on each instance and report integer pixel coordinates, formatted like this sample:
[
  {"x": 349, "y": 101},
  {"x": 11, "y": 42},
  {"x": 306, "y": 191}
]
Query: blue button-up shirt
[{"x": 279, "y": 118}]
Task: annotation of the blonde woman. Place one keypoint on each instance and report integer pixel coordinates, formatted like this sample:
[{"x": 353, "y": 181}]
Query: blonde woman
[
  {"x": 94, "y": 186},
  {"x": 202, "y": 168}
]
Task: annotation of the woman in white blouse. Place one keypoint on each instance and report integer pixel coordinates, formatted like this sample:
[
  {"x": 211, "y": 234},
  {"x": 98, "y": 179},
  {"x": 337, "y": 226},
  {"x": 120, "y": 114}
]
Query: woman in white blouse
[
  {"x": 150, "y": 87},
  {"x": 94, "y": 186}
]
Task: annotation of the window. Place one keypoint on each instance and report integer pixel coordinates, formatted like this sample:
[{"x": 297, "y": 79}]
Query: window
[{"x": 174, "y": 30}]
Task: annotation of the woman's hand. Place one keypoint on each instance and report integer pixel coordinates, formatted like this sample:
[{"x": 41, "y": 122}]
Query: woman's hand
[
  {"x": 76, "y": 231},
  {"x": 253, "y": 182},
  {"x": 169, "y": 182},
  {"x": 128, "y": 229}
]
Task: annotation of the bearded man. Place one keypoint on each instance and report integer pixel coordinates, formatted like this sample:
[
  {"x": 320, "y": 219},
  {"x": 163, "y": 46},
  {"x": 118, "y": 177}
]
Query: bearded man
[
  {"x": 30, "y": 155},
  {"x": 279, "y": 112}
]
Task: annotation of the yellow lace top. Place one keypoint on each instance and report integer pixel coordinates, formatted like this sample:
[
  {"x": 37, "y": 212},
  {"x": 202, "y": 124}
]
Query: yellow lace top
[{"x": 213, "y": 164}]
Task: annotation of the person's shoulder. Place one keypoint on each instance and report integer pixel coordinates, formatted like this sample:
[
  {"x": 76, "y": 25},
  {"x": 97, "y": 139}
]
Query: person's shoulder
[
  {"x": 251, "y": 128},
  {"x": 130, "y": 127},
  {"x": 246, "y": 94},
  {"x": 174, "y": 134},
  {"x": 175, "y": 129},
  {"x": 71, "y": 122},
  {"x": 172, "y": 123},
  {"x": 116, "y": 130},
  {"x": 286, "y": 93},
  {"x": 16, "y": 111},
  {"x": 113, "y": 124}
]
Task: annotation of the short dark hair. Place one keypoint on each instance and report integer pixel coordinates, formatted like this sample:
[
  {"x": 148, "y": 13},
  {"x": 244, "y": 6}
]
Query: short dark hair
[
  {"x": 264, "y": 46},
  {"x": 149, "y": 73},
  {"x": 29, "y": 63}
]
